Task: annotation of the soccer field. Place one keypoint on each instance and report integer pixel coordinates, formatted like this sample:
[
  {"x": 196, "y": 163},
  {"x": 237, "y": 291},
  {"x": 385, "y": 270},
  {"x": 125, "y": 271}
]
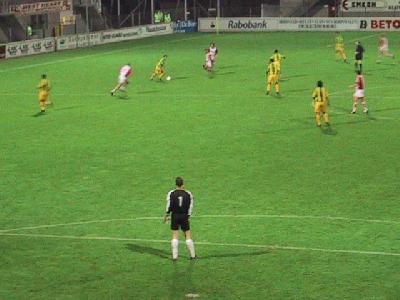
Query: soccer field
[{"x": 283, "y": 209}]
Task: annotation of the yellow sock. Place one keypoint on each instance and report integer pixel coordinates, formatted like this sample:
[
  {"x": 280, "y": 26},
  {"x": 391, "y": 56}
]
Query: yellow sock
[
  {"x": 326, "y": 118},
  {"x": 318, "y": 119},
  {"x": 277, "y": 88}
]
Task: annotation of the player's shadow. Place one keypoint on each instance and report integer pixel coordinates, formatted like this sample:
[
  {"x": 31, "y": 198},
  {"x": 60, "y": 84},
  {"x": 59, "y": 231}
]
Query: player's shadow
[
  {"x": 228, "y": 67},
  {"x": 225, "y": 73},
  {"x": 148, "y": 250},
  {"x": 68, "y": 107},
  {"x": 182, "y": 281},
  {"x": 180, "y": 78},
  {"x": 328, "y": 130},
  {"x": 149, "y": 92},
  {"x": 286, "y": 78},
  {"x": 123, "y": 97},
  {"x": 233, "y": 255},
  {"x": 298, "y": 90},
  {"x": 39, "y": 114}
]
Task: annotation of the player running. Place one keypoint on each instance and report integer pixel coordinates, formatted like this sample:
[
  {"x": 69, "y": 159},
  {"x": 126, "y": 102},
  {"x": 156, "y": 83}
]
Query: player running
[
  {"x": 180, "y": 206},
  {"x": 159, "y": 69},
  {"x": 358, "y": 95},
  {"x": 214, "y": 52},
  {"x": 273, "y": 76},
  {"x": 339, "y": 47},
  {"x": 208, "y": 63},
  {"x": 277, "y": 57},
  {"x": 44, "y": 90},
  {"x": 124, "y": 73},
  {"x": 383, "y": 47},
  {"x": 359, "y": 55},
  {"x": 320, "y": 103}
]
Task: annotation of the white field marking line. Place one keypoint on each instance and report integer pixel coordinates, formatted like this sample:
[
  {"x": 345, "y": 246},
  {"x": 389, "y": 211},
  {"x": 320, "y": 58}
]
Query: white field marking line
[
  {"x": 340, "y": 113},
  {"x": 355, "y": 40},
  {"x": 328, "y": 218},
  {"x": 269, "y": 247},
  {"x": 92, "y": 55},
  {"x": 351, "y": 91},
  {"x": 79, "y": 223}
]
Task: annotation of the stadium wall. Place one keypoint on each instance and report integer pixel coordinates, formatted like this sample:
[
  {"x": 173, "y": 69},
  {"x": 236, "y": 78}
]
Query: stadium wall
[
  {"x": 299, "y": 24},
  {"x": 31, "y": 47}
]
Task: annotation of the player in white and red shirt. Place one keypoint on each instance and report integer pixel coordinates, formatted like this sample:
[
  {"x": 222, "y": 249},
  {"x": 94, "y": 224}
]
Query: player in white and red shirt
[
  {"x": 383, "y": 47},
  {"x": 124, "y": 73},
  {"x": 213, "y": 51},
  {"x": 359, "y": 93},
  {"x": 208, "y": 64}
]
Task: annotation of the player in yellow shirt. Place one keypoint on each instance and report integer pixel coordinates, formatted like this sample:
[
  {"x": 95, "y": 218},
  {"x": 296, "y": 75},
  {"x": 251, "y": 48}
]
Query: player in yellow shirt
[
  {"x": 339, "y": 47},
  {"x": 273, "y": 76},
  {"x": 44, "y": 89},
  {"x": 277, "y": 57},
  {"x": 159, "y": 69},
  {"x": 320, "y": 103}
]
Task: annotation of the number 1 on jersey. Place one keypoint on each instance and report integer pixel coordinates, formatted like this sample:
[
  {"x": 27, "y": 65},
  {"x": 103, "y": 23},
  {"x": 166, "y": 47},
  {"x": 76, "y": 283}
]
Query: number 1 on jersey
[{"x": 180, "y": 198}]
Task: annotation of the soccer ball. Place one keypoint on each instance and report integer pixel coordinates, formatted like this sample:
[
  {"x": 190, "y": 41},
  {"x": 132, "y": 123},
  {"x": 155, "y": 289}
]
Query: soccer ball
[{"x": 169, "y": 78}]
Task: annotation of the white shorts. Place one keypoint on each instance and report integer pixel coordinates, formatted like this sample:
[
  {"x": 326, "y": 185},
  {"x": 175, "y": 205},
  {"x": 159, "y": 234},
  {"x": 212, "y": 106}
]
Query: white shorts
[
  {"x": 122, "y": 79},
  {"x": 384, "y": 48},
  {"x": 209, "y": 64},
  {"x": 359, "y": 93}
]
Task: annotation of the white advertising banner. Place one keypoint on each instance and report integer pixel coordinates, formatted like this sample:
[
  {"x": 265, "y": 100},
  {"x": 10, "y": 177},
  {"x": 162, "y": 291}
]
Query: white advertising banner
[
  {"x": 81, "y": 40},
  {"x": 87, "y": 40},
  {"x": 299, "y": 24},
  {"x": 369, "y": 5},
  {"x": 237, "y": 24},
  {"x": 30, "y": 47},
  {"x": 67, "y": 42},
  {"x": 111, "y": 36},
  {"x": 160, "y": 29}
]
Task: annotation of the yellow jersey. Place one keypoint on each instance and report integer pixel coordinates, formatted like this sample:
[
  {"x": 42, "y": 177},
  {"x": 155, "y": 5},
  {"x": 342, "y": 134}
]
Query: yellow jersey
[
  {"x": 320, "y": 94},
  {"x": 161, "y": 63},
  {"x": 277, "y": 57},
  {"x": 273, "y": 68},
  {"x": 44, "y": 86}
]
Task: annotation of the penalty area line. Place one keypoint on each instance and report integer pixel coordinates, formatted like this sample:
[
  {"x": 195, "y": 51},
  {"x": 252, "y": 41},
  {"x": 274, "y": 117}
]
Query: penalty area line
[{"x": 266, "y": 247}]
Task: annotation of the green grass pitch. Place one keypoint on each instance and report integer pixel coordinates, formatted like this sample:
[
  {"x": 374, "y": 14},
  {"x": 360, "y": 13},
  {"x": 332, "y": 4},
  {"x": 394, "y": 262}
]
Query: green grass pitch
[{"x": 283, "y": 209}]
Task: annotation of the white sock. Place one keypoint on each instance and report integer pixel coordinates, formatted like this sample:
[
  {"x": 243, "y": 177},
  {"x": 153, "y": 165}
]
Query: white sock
[
  {"x": 190, "y": 246},
  {"x": 174, "y": 245}
]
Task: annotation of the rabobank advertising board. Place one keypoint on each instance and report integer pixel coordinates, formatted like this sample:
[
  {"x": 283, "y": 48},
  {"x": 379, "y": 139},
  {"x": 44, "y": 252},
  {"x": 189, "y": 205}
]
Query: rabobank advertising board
[
  {"x": 236, "y": 24},
  {"x": 299, "y": 24}
]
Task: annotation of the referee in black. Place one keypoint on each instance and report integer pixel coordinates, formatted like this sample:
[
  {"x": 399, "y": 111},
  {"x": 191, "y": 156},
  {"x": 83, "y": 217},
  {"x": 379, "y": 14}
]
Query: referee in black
[
  {"x": 180, "y": 206},
  {"x": 359, "y": 55}
]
